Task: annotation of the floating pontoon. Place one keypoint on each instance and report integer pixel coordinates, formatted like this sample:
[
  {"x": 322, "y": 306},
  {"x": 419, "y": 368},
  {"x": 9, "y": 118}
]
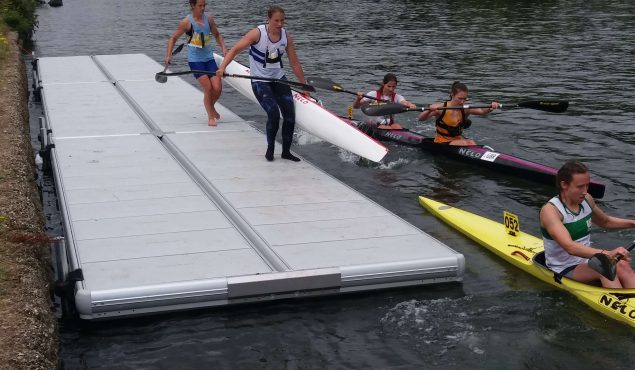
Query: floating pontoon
[{"x": 163, "y": 213}]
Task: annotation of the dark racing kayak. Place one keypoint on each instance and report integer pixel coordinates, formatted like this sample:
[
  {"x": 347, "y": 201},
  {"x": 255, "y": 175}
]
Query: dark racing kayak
[{"x": 481, "y": 155}]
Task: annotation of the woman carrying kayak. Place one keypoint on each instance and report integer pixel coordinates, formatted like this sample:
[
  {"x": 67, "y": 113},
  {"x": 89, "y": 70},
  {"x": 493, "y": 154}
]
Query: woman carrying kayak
[
  {"x": 268, "y": 43},
  {"x": 200, "y": 55},
  {"x": 387, "y": 93},
  {"x": 450, "y": 123},
  {"x": 565, "y": 221}
]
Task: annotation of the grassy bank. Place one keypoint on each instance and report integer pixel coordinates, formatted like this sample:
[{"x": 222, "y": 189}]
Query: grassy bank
[
  {"x": 20, "y": 16},
  {"x": 28, "y": 338},
  {"x": 4, "y": 43}
]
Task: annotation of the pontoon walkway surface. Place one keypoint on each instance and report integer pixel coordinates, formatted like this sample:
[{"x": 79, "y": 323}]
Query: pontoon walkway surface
[{"x": 163, "y": 213}]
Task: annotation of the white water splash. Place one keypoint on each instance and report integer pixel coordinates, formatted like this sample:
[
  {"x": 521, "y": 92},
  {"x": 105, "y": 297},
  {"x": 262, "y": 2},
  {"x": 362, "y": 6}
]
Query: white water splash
[
  {"x": 347, "y": 156},
  {"x": 438, "y": 326},
  {"x": 394, "y": 164},
  {"x": 305, "y": 138}
]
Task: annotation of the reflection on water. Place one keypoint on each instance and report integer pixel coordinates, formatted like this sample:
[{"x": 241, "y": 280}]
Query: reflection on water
[{"x": 510, "y": 51}]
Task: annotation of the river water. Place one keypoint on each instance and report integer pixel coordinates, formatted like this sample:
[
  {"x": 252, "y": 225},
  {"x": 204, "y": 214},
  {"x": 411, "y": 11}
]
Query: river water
[{"x": 498, "y": 318}]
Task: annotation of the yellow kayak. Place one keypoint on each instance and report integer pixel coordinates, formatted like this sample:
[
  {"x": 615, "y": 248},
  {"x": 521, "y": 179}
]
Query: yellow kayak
[{"x": 525, "y": 252}]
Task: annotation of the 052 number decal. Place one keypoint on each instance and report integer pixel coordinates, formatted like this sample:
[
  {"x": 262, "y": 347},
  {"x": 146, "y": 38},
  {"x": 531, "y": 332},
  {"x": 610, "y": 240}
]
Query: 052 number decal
[{"x": 512, "y": 225}]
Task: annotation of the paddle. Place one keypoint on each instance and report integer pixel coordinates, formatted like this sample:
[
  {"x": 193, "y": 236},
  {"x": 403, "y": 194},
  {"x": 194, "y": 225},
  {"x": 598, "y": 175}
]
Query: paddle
[
  {"x": 327, "y": 84},
  {"x": 297, "y": 85},
  {"x": 605, "y": 265},
  {"x": 159, "y": 76},
  {"x": 554, "y": 106}
]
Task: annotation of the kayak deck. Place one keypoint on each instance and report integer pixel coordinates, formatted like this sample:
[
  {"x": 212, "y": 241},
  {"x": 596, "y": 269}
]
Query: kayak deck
[
  {"x": 481, "y": 155},
  {"x": 162, "y": 212},
  {"x": 527, "y": 253}
]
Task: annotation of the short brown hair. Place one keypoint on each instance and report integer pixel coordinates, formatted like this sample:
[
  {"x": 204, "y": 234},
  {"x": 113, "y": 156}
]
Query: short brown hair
[{"x": 568, "y": 169}]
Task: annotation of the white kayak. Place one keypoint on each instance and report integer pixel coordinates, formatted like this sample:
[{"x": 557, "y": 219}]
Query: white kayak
[{"x": 314, "y": 119}]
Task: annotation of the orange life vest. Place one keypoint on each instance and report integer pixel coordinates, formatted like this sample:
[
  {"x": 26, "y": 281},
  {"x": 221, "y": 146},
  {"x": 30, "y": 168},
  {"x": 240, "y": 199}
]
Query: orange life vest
[{"x": 450, "y": 125}]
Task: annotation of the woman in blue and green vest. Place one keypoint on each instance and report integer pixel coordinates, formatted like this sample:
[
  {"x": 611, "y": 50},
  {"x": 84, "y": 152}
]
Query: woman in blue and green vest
[
  {"x": 199, "y": 28},
  {"x": 565, "y": 223}
]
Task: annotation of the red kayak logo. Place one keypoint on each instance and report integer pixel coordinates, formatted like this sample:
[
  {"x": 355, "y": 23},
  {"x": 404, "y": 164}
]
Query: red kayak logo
[{"x": 618, "y": 303}]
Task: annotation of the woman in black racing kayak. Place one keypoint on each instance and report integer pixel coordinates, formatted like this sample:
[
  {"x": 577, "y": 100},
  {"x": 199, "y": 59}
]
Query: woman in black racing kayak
[
  {"x": 387, "y": 93},
  {"x": 450, "y": 123}
]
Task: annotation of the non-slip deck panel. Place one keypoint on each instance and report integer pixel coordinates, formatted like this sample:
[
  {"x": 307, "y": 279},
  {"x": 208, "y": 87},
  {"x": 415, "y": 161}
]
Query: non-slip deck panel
[
  {"x": 74, "y": 70},
  {"x": 178, "y": 106},
  {"x": 90, "y": 109},
  {"x": 308, "y": 211},
  {"x": 139, "y": 219},
  {"x": 164, "y": 212}
]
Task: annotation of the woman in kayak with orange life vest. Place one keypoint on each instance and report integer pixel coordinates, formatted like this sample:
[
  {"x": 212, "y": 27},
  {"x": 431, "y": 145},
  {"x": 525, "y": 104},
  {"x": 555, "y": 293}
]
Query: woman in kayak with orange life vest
[
  {"x": 450, "y": 123},
  {"x": 387, "y": 93},
  {"x": 200, "y": 27}
]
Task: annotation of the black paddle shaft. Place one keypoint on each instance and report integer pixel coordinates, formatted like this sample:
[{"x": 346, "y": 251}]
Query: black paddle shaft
[
  {"x": 161, "y": 77},
  {"x": 554, "y": 106},
  {"x": 327, "y": 84},
  {"x": 298, "y": 85},
  {"x": 628, "y": 249}
]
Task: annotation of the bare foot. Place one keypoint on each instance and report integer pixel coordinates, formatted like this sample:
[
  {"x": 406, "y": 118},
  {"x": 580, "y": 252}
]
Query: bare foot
[
  {"x": 215, "y": 113},
  {"x": 212, "y": 122}
]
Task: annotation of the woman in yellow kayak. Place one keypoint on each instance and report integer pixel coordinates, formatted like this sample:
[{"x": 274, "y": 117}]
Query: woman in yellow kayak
[
  {"x": 565, "y": 221},
  {"x": 386, "y": 92},
  {"x": 450, "y": 123},
  {"x": 200, "y": 55}
]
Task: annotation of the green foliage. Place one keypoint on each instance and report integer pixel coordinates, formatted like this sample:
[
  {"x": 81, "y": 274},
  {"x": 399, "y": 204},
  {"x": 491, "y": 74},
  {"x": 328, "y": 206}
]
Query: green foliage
[
  {"x": 4, "y": 45},
  {"x": 20, "y": 16}
]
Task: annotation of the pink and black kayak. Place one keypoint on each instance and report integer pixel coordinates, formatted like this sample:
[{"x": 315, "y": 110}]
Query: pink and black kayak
[{"x": 481, "y": 155}]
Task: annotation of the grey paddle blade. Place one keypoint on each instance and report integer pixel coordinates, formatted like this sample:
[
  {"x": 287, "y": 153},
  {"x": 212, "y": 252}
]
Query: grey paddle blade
[
  {"x": 161, "y": 78},
  {"x": 323, "y": 83},
  {"x": 383, "y": 109},
  {"x": 603, "y": 264}
]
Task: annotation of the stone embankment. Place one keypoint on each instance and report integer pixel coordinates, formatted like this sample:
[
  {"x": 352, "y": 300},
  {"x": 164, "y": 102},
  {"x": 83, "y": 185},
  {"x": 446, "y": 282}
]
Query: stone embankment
[{"x": 28, "y": 335}]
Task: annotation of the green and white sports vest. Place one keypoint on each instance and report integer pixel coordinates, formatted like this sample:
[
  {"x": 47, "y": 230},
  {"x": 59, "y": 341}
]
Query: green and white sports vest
[{"x": 578, "y": 226}]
